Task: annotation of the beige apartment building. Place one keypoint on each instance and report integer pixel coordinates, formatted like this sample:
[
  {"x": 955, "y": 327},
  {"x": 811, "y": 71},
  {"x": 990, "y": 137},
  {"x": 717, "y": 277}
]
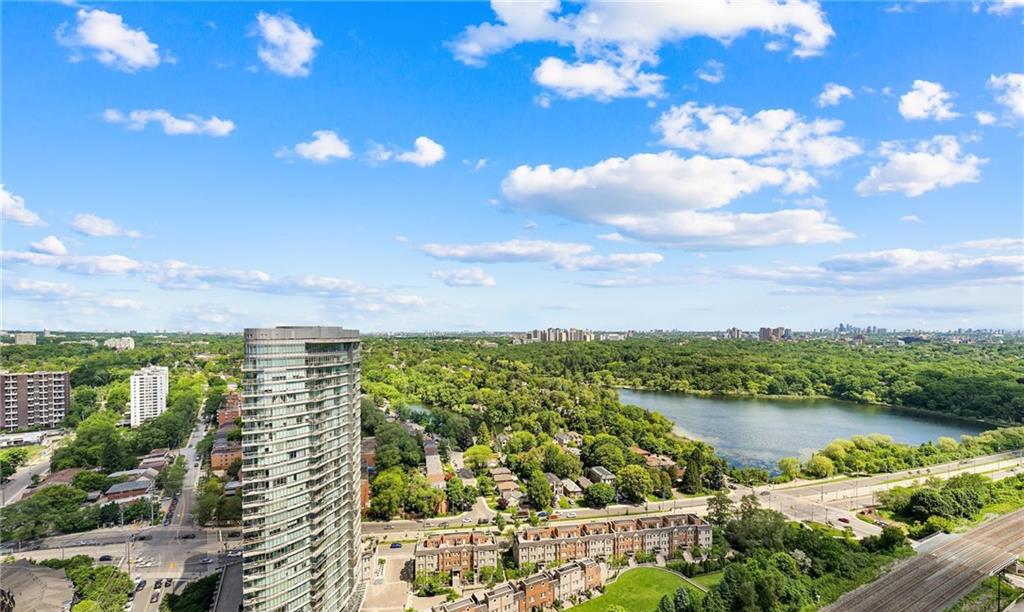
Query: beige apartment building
[
  {"x": 33, "y": 399},
  {"x": 458, "y": 553}
]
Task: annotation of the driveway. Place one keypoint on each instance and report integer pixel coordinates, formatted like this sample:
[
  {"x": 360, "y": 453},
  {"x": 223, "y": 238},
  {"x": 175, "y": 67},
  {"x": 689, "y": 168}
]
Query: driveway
[{"x": 387, "y": 592}]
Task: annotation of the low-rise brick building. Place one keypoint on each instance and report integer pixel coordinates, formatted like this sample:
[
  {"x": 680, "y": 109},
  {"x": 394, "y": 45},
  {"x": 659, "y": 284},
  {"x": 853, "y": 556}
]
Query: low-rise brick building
[
  {"x": 537, "y": 592},
  {"x": 661, "y": 534},
  {"x": 458, "y": 553}
]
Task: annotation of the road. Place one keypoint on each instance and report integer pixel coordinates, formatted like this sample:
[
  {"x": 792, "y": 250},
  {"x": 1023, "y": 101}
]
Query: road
[
  {"x": 183, "y": 513},
  {"x": 12, "y": 489},
  {"x": 938, "y": 579}
]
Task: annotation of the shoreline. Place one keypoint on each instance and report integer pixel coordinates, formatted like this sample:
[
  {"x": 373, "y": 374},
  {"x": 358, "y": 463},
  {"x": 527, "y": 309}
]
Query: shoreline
[{"x": 738, "y": 395}]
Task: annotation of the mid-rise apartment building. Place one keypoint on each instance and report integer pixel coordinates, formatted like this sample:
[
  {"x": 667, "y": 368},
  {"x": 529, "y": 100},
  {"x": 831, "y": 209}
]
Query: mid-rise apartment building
[
  {"x": 458, "y": 553},
  {"x": 126, "y": 343},
  {"x": 33, "y": 399},
  {"x": 300, "y": 468},
  {"x": 24, "y": 338},
  {"x": 601, "y": 540},
  {"x": 149, "y": 394}
]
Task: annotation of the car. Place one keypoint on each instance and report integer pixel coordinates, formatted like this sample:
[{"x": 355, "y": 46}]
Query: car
[
  {"x": 188, "y": 536},
  {"x": 466, "y": 519},
  {"x": 206, "y": 560},
  {"x": 167, "y": 582},
  {"x": 396, "y": 545},
  {"x": 733, "y": 487},
  {"x": 235, "y": 553},
  {"x": 157, "y": 584},
  {"x": 155, "y": 597},
  {"x": 389, "y": 527},
  {"x": 763, "y": 493},
  {"x": 106, "y": 558},
  {"x": 553, "y": 516},
  {"x": 234, "y": 534},
  {"x": 843, "y": 519},
  {"x": 141, "y": 584},
  {"x": 570, "y": 514},
  {"x": 142, "y": 536},
  {"x": 542, "y": 515}
]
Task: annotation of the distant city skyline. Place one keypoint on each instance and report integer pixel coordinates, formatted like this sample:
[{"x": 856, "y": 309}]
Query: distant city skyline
[{"x": 463, "y": 167}]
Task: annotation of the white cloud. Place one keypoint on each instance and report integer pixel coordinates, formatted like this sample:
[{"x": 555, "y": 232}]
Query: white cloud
[
  {"x": 813, "y": 201},
  {"x": 985, "y": 118},
  {"x": 51, "y": 245},
  {"x": 833, "y": 94},
  {"x": 1004, "y": 7},
  {"x": 400, "y": 238},
  {"x": 180, "y": 275},
  {"x": 110, "y": 41},
  {"x": 612, "y": 237},
  {"x": 990, "y": 244},
  {"x": 927, "y": 100},
  {"x": 92, "y": 225},
  {"x": 1010, "y": 91},
  {"x": 776, "y": 135},
  {"x": 174, "y": 126},
  {"x": 476, "y": 166},
  {"x": 464, "y": 277},
  {"x": 931, "y": 164},
  {"x": 530, "y": 225},
  {"x": 625, "y": 262},
  {"x": 712, "y": 71},
  {"x": 426, "y": 153},
  {"x": 910, "y": 219},
  {"x": 286, "y": 48},
  {"x": 12, "y": 208},
  {"x": 614, "y": 42},
  {"x": 508, "y": 251},
  {"x": 326, "y": 146},
  {"x": 895, "y": 268},
  {"x": 39, "y": 290},
  {"x": 600, "y": 79}
]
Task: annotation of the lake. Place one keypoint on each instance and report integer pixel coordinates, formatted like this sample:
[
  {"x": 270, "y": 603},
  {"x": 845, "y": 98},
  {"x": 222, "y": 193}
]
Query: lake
[{"x": 759, "y": 432}]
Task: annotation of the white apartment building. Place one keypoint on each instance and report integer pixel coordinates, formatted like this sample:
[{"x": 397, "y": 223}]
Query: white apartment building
[
  {"x": 149, "y": 394},
  {"x": 301, "y": 468},
  {"x": 126, "y": 343},
  {"x": 25, "y": 338}
]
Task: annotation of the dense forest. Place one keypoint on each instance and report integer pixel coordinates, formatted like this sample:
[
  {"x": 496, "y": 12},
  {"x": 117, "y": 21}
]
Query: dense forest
[{"x": 981, "y": 382}]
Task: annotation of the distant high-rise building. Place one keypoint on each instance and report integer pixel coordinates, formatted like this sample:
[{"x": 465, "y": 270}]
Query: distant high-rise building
[
  {"x": 301, "y": 469},
  {"x": 734, "y": 333},
  {"x": 33, "y": 399},
  {"x": 773, "y": 334},
  {"x": 149, "y": 394},
  {"x": 24, "y": 338}
]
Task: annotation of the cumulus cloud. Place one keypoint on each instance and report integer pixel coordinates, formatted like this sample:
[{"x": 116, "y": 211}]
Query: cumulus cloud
[
  {"x": 326, "y": 146},
  {"x": 109, "y": 40},
  {"x": 464, "y": 277},
  {"x": 661, "y": 198},
  {"x": 775, "y": 135},
  {"x": 174, "y": 126},
  {"x": 425, "y": 153},
  {"x": 286, "y": 48},
  {"x": 612, "y": 237},
  {"x": 1004, "y": 7},
  {"x": 990, "y": 244},
  {"x": 51, "y": 245},
  {"x": 614, "y": 43},
  {"x": 1009, "y": 90},
  {"x": 712, "y": 72},
  {"x": 910, "y": 219},
  {"x": 927, "y": 100},
  {"x": 93, "y": 225},
  {"x": 13, "y": 209},
  {"x": 833, "y": 94},
  {"x": 985, "y": 118},
  {"x": 625, "y": 262},
  {"x": 929, "y": 165}
]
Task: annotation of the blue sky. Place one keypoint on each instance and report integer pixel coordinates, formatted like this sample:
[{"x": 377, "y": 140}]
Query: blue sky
[{"x": 467, "y": 166}]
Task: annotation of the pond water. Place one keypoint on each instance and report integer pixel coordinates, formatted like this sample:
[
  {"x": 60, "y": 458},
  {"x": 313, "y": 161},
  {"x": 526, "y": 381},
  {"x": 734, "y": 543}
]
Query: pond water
[{"x": 759, "y": 432}]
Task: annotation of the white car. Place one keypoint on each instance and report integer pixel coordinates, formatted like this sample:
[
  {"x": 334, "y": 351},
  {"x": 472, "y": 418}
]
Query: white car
[
  {"x": 570, "y": 514},
  {"x": 466, "y": 519},
  {"x": 235, "y": 553}
]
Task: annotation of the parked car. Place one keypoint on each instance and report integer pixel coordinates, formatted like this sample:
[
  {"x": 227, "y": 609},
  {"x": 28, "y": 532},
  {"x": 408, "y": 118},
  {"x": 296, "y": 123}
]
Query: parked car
[
  {"x": 106, "y": 558},
  {"x": 235, "y": 553},
  {"x": 155, "y": 597},
  {"x": 396, "y": 545},
  {"x": 570, "y": 514},
  {"x": 466, "y": 520},
  {"x": 188, "y": 536},
  {"x": 141, "y": 584},
  {"x": 167, "y": 582},
  {"x": 542, "y": 515}
]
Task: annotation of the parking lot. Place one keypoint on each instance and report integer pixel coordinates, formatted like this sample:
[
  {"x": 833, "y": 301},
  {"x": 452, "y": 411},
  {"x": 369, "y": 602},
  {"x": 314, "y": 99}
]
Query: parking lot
[{"x": 387, "y": 592}]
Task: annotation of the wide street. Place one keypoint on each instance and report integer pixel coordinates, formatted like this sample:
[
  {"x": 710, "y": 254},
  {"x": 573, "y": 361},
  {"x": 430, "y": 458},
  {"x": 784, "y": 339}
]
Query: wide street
[
  {"x": 12, "y": 489},
  {"x": 937, "y": 579}
]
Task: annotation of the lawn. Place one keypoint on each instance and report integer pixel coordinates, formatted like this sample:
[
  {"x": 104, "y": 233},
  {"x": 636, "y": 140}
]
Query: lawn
[
  {"x": 708, "y": 581},
  {"x": 637, "y": 590}
]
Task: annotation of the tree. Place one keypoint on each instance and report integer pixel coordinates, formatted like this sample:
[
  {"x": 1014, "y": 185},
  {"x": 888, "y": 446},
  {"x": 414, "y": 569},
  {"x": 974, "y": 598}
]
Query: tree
[
  {"x": 599, "y": 495},
  {"x": 538, "y": 491},
  {"x": 682, "y": 600},
  {"x": 820, "y": 466},
  {"x": 720, "y": 508},
  {"x": 633, "y": 484},
  {"x": 477, "y": 457},
  {"x": 790, "y": 467},
  {"x": 459, "y": 497},
  {"x": 667, "y": 604},
  {"x": 691, "y": 477},
  {"x": 234, "y": 469}
]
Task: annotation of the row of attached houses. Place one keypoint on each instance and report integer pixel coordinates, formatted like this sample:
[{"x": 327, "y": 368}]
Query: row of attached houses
[
  {"x": 458, "y": 553},
  {"x": 601, "y": 540},
  {"x": 537, "y": 592}
]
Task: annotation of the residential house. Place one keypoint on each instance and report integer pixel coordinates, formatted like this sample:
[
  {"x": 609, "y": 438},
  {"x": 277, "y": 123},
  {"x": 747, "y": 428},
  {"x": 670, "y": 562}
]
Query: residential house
[
  {"x": 599, "y": 473},
  {"x": 458, "y": 553}
]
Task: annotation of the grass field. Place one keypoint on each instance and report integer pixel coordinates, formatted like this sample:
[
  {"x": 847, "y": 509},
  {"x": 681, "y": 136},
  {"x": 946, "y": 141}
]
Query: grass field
[
  {"x": 709, "y": 580},
  {"x": 637, "y": 590}
]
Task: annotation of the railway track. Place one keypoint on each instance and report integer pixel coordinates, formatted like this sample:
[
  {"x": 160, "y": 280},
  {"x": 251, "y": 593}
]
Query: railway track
[{"x": 938, "y": 579}]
